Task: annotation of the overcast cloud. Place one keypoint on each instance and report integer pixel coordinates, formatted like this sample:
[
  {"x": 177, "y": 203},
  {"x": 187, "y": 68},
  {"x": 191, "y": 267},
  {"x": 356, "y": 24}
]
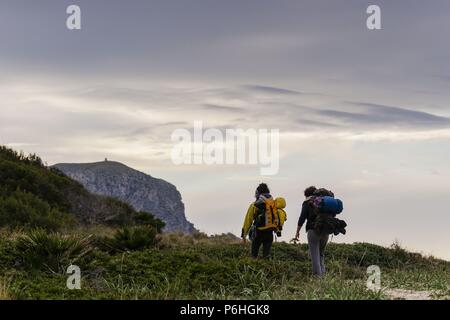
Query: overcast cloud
[{"x": 365, "y": 113}]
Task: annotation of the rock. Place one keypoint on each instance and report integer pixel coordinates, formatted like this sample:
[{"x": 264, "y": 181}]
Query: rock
[{"x": 143, "y": 192}]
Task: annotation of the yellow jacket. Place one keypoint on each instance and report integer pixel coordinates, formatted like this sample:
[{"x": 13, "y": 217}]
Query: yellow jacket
[
  {"x": 248, "y": 221},
  {"x": 251, "y": 213}
]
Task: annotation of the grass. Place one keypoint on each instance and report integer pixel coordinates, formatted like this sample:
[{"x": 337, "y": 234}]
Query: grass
[
  {"x": 4, "y": 289},
  {"x": 201, "y": 267}
]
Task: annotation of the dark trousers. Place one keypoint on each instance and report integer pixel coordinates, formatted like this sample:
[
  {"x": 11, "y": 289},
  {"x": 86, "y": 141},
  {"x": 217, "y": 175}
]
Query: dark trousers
[{"x": 264, "y": 238}]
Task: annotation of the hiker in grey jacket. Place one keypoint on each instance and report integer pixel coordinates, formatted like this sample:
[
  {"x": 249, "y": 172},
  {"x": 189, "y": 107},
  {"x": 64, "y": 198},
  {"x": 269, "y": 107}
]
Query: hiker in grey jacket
[{"x": 316, "y": 242}]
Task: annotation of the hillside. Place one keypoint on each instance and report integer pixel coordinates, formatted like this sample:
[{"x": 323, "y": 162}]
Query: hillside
[
  {"x": 143, "y": 192},
  {"x": 32, "y": 195},
  {"x": 186, "y": 267}
]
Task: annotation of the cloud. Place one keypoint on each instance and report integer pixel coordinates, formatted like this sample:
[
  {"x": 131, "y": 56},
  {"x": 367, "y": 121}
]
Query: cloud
[
  {"x": 270, "y": 90},
  {"x": 443, "y": 77},
  {"x": 317, "y": 124},
  {"x": 381, "y": 116},
  {"x": 21, "y": 144},
  {"x": 215, "y": 107}
]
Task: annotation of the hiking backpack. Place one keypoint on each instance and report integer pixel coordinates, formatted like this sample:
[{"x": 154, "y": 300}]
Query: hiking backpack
[
  {"x": 326, "y": 207},
  {"x": 267, "y": 215},
  {"x": 328, "y": 204},
  {"x": 327, "y": 224}
]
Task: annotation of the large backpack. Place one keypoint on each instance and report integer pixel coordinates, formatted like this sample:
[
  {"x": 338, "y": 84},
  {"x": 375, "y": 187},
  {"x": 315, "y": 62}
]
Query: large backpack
[
  {"x": 266, "y": 217},
  {"x": 327, "y": 204},
  {"x": 282, "y": 216},
  {"x": 326, "y": 207},
  {"x": 327, "y": 224},
  {"x": 280, "y": 202}
]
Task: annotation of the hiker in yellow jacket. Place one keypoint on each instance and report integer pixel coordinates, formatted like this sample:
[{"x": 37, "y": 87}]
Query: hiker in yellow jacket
[{"x": 264, "y": 217}]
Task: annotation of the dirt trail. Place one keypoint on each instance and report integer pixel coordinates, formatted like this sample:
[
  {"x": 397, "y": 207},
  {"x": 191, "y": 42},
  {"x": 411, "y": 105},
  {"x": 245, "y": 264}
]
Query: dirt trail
[{"x": 402, "y": 294}]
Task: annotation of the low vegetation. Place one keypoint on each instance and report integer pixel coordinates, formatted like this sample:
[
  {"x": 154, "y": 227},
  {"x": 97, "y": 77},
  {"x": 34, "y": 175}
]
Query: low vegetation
[
  {"x": 199, "y": 267},
  {"x": 52, "y": 251},
  {"x": 132, "y": 238}
]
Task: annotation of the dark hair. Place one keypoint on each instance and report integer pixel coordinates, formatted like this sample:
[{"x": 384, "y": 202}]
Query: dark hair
[
  {"x": 310, "y": 191},
  {"x": 262, "y": 188},
  {"x": 322, "y": 192}
]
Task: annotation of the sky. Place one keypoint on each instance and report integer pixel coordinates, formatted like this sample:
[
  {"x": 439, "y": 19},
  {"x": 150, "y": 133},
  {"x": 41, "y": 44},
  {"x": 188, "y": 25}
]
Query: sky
[{"x": 362, "y": 112}]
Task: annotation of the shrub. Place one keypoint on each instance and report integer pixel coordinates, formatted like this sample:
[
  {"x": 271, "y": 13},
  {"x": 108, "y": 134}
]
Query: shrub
[
  {"x": 134, "y": 238},
  {"x": 52, "y": 251},
  {"x": 12, "y": 155},
  {"x": 147, "y": 219},
  {"x": 26, "y": 210}
]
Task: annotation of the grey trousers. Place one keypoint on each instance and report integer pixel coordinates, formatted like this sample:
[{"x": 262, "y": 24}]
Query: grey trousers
[{"x": 317, "y": 244}]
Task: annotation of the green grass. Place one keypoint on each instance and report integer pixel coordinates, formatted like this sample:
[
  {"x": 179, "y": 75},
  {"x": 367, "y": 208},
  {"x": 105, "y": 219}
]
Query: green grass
[{"x": 181, "y": 267}]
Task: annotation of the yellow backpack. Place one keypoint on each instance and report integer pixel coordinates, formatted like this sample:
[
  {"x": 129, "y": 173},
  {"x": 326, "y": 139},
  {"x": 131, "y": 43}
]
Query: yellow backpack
[
  {"x": 267, "y": 218},
  {"x": 282, "y": 216}
]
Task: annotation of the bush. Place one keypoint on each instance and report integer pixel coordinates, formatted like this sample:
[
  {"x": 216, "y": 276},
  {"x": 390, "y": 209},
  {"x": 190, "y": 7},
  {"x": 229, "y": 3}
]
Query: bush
[
  {"x": 134, "y": 238},
  {"x": 23, "y": 209},
  {"x": 12, "y": 155},
  {"x": 52, "y": 251},
  {"x": 147, "y": 219}
]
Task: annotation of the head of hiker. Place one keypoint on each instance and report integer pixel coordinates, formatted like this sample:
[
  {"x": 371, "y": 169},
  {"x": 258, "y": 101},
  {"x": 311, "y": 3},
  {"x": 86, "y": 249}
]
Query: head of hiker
[
  {"x": 262, "y": 189},
  {"x": 309, "y": 192}
]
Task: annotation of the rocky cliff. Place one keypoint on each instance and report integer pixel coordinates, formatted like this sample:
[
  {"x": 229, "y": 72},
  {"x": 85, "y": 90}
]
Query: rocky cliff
[{"x": 142, "y": 191}]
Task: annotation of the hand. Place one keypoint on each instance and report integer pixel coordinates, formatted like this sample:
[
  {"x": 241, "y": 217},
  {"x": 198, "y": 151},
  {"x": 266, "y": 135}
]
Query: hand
[
  {"x": 297, "y": 236},
  {"x": 244, "y": 240}
]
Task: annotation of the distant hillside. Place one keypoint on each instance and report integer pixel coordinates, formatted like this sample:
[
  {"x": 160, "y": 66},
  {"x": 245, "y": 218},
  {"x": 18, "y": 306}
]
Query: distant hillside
[
  {"x": 142, "y": 191},
  {"x": 32, "y": 195}
]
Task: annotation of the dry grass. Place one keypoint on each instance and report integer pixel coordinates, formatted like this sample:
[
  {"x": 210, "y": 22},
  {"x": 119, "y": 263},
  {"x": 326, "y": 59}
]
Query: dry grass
[
  {"x": 97, "y": 230},
  {"x": 4, "y": 289},
  {"x": 177, "y": 240},
  {"x": 12, "y": 235}
]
